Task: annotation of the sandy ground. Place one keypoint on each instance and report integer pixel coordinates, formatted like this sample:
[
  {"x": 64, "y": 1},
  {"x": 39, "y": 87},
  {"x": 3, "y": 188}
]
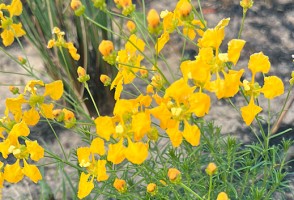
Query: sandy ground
[{"x": 269, "y": 27}]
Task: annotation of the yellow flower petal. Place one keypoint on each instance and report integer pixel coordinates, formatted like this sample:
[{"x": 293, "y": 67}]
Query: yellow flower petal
[
  {"x": 136, "y": 152},
  {"x": 31, "y": 117},
  {"x": 15, "y": 8},
  {"x": 47, "y": 110},
  {"x": 97, "y": 146},
  {"x": 13, "y": 173},
  {"x": 20, "y": 129},
  {"x": 102, "y": 176},
  {"x": 116, "y": 152},
  {"x": 164, "y": 38},
  {"x": 18, "y": 30},
  {"x": 7, "y": 37},
  {"x": 104, "y": 127},
  {"x": 235, "y": 47},
  {"x": 83, "y": 154},
  {"x": 32, "y": 172},
  {"x": 273, "y": 87},
  {"x": 249, "y": 112},
  {"x": 35, "y": 150},
  {"x": 54, "y": 89},
  {"x": 258, "y": 62},
  {"x": 85, "y": 186},
  {"x": 174, "y": 134},
  {"x": 141, "y": 124},
  {"x": 199, "y": 104},
  {"x": 191, "y": 133}
]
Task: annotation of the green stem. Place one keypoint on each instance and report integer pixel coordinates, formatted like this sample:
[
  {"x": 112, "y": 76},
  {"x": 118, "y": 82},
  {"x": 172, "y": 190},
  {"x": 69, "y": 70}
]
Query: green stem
[
  {"x": 92, "y": 99},
  {"x": 242, "y": 23},
  {"x": 191, "y": 191},
  {"x": 210, "y": 187}
]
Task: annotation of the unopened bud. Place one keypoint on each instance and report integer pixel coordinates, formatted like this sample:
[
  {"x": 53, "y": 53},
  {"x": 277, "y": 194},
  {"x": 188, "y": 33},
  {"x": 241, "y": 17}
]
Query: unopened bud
[
  {"x": 106, "y": 47},
  {"x": 14, "y": 90},
  {"x": 174, "y": 175},
  {"x": 120, "y": 185},
  {"x": 211, "y": 169},
  {"x": 106, "y": 80},
  {"x": 153, "y": 18},
  {"x": 152, "y": 189}
]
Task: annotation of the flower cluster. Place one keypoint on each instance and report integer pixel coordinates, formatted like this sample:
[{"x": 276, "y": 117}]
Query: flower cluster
[
  {"x": 10, "y": 29},
  {"x": 21, "y": 112}
]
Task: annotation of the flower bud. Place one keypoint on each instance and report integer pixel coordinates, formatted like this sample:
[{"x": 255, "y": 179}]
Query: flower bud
[
  {"x": 291, "y": 81},
  {"x": 106, "y": 80},
  {"x": 83, "y": 77},
  {"x": 222, "y": 196},
  {"x": 211, "y": 169},
  {"x": 153, "y": 18},
  {"x": 174, "y": 175},
  {"x": 149, "y": 89},
  {"x": 14, "y": 90},
  {"x": 153, "y": 134},
  {"x": 120, "y": 185},
  {"x": 163, "y": 182},
  {"x": 246, "y": 4},
  {"x": 106, "y": 47},
  {"x": 75, "y": 4},
  {"x": 131, "y": 26},
  {"x": 22, "y": 60},
  {"x": 152, "y": 189},
  {"x": 185, "y": 9},
  {"x": 144, "y": 72}
]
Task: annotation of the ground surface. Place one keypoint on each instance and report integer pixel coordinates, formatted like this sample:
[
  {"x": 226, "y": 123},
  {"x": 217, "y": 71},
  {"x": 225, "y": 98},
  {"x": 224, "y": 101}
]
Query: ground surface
[{"x": 269, "y": 27}]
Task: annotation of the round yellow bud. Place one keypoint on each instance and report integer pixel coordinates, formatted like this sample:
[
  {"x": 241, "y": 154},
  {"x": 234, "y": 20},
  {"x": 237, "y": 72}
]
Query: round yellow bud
[
  {"x": 174, "y": 175},
  {"x": 106, "y": 47},
  {"x": 185, "y": 9},
  {"x": 120, "y": 185},
  {"x": 131, "y": 26},
  {"x": 211, "y": 169},
  {"x": 222, "y": 196},
  {"x": 152, "y": 188},
  {"x": 153, "y": 18},
  {"x": 75, "y": 4}
]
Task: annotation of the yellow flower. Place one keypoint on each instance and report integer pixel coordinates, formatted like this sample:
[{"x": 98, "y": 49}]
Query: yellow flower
[
  {"x": 47, "y": 110},
  {"x": 249, "y": 112},
  {"x": 258, "y": 62},
  {"x": 60, "y": 42},
  {"x": 120, "y": 185},
  {"x": 273, "y": 87},
  {"x": 83, "y": 154},
  {"x": 184, "y": 8},
  {"x": 136, "y": 152},
  {"x": 174, "y": 134},
  {"x": 222, "y": 196},
  {"x": 10, "y": 29},
  {"x": 174, "y": 175},
  {"x": 211, "y": 169}
]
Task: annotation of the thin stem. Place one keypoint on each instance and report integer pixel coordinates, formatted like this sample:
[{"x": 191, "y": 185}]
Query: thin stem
[
  {"x": 92, "y": 99},
  {"x": 191, "y": 191},
  {"x": 210, "y": 187},
  {"x": 242, "y": 23}
]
